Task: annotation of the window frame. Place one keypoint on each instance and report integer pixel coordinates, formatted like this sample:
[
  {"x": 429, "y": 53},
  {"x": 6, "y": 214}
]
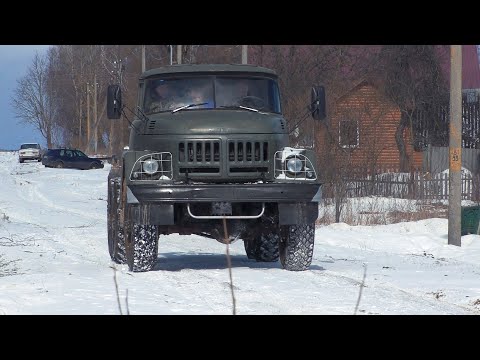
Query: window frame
[
  {"x": 349, "y": 146},
  {"x": 275, "y": 92}
]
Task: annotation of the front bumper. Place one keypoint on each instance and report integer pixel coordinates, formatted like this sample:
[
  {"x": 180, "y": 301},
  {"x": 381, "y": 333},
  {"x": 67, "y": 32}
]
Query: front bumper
[{"x": 183, "y": 193}]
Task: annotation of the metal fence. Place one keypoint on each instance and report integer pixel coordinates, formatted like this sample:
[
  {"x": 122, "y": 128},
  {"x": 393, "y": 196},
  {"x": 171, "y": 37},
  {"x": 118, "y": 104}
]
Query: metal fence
[
  {"x": 415, "y": 185},
  {"x": 436, "y": 159}
]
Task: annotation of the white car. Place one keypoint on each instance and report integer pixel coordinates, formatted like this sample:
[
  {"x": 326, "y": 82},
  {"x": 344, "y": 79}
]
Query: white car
[{"x": 29, "y": 151}]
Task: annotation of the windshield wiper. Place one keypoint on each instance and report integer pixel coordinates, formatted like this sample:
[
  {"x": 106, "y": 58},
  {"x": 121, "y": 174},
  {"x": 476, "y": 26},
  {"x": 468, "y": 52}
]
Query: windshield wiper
[
  {"x": 188, "y": 106},
  {"x": 241, "y": 107}
]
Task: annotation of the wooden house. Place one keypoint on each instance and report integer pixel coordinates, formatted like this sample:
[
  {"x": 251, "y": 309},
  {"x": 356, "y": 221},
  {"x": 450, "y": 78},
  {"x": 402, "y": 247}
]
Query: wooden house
[{"x": 363, "y": 123}]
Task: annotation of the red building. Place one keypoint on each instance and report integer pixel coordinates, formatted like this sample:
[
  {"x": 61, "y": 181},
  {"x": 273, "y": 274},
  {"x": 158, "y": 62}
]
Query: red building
[{"x": 364, "y": 122}]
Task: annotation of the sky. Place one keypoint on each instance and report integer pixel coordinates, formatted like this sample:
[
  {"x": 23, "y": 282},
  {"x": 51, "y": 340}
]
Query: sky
[
  {"x": 14, "y": 61},
  {"x": 54, "y": 260}
]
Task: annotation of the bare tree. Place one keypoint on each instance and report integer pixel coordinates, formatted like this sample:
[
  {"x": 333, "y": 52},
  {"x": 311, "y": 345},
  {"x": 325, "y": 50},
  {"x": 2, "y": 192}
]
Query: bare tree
[
  {"x": 202, "y": 54},
  {"x": 69, "y": 71},
  {"x": 70, "y": 76},
  {"x": 79, "y": 72},
  {"x": 33, "y": 99},
  {"x": 413, "y": 79}
]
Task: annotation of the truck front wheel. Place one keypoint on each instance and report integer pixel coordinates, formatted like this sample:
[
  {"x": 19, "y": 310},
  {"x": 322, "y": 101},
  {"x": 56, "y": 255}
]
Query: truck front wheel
[
  {"x": 116, "y": 240},
  {"x": 264, "y": 246},
  {"x": 296, "y": 246},
  {"x": 142, "y": 247}
]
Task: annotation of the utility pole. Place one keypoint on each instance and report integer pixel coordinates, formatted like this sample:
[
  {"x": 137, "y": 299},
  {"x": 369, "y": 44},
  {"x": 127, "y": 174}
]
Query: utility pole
[
  {"x": 95, "y": 115},
  {"x": 80, "y": 123},
  {"x": 171, "y": 54},
  {"x": 244, "y": 54},
  {"x": 88, "y": 118},
  {"x": 455, "y": 150},
  {"x": 179, "y": 54},
  {"x": 143, "y": 58}
]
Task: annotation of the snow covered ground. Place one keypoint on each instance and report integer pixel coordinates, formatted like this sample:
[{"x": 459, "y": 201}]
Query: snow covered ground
[{"x": 54, "y": 260}]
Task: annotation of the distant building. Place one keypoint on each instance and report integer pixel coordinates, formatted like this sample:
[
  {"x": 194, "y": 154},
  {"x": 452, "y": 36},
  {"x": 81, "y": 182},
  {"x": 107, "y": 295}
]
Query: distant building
[{"x": 364, "y": 122}]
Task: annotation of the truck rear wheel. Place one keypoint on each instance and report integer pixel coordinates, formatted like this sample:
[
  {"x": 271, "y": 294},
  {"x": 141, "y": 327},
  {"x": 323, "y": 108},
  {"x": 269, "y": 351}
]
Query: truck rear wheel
[
  {"x": 296, "y": 246},
  {"x": 264, "y": 247},
  {"x": 116, "y": 239},
  {"x": 249, "y": 248},
  {"x": 142, "y": 250}
]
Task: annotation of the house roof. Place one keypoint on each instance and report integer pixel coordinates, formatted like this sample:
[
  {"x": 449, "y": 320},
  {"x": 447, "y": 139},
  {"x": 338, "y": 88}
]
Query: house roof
[
  {"x": 357, "y": 84},
  {"x": 470, "y": 63},
  {"x": 470, "y": 67}
]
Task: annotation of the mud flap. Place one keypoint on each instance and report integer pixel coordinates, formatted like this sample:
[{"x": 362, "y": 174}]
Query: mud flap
[
  {"x": 158, "y": 214},
  {"x": 297, "y": 213}
]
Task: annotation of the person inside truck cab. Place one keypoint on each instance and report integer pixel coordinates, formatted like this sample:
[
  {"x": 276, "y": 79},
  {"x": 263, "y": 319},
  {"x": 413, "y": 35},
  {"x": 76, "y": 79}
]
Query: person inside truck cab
[
  {"x": 200, "y": 95},
  {"x": 242, "y": 95},
  {"x": 163, "y": 97},
  {"x": 240, "y": 90},
  {"x": 231, "y": 92}
]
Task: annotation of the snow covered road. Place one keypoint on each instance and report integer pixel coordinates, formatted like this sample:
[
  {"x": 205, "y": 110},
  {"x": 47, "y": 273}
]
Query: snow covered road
[{"x": 54, "y": 260}]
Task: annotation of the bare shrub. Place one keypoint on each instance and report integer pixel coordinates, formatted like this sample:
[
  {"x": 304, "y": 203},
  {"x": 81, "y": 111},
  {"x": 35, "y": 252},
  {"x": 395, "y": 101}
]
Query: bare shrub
[{"x": 381, "y": 211}]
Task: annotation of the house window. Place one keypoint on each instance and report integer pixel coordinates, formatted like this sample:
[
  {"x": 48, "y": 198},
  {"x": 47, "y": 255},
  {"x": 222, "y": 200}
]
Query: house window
[
  {"x": 348, "y": 133},
  {"x": 471, "y": 95}
]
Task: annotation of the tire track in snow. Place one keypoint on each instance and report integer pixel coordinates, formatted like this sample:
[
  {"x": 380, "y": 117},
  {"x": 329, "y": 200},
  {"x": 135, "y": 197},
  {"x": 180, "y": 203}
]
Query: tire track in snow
[
  {"x": 32, "y": 206},
  {"x": 382, "y": 291}
]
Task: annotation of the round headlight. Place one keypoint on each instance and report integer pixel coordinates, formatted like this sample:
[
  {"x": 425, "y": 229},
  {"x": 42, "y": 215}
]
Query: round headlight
[
  {"x": 294, "y": 165},
  {"x": 150, "y": 166}
]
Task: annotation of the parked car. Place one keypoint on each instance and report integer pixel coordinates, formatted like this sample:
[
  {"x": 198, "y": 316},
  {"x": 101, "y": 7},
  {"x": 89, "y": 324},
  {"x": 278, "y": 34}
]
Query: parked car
[
  {"x": 29, "y": 151},
  {"x": 70, "y": 158}
]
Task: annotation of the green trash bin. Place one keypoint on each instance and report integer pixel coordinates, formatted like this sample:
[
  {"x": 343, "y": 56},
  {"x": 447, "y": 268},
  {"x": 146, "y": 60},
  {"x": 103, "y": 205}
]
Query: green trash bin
[{"x": 470, "y": 220}]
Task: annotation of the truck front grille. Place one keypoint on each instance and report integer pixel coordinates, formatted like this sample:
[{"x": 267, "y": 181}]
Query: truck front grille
[
  {"x": 241, "y": 151},
  {"x": 199, "y": 157},
  {"x": 247, "y": 158},
  {"x": 199, "y": 151},
  {"x": 212, "y": 157}
]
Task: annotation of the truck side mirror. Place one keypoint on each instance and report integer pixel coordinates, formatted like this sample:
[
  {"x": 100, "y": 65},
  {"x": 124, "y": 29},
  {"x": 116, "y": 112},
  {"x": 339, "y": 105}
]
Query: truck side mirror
[
  {"x": 114, "y": 102},
  {"x": 318, "y": 105}
]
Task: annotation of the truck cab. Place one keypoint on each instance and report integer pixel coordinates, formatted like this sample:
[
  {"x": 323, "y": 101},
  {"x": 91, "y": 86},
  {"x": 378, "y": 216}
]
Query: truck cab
[{"x": 209, "y": 154}]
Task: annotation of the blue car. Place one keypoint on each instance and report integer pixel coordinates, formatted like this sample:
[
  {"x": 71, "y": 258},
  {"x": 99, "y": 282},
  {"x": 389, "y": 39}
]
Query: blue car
[{"x": 70, "y": 158}]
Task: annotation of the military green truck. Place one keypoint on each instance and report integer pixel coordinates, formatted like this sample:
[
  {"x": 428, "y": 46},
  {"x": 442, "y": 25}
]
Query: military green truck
[{"x": 209, "y": 154}]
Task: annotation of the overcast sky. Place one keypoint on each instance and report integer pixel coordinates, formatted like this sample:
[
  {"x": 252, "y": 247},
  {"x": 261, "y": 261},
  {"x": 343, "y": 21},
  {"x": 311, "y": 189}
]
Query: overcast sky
[{"x": 14, "y": 61}]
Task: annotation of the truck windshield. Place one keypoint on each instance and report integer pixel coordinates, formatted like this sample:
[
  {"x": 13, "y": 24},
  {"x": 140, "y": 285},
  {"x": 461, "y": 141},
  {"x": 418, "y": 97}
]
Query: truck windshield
[{"x": 211, "y": 92}]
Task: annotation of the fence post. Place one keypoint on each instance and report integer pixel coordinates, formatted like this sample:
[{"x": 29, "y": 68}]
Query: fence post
[
  {"x": 422, "y": 186},
  {"x": 446, "y": 179}
]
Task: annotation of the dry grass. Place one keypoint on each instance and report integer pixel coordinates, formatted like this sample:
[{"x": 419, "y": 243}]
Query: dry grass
[
  {"x": 428, "y": 212},
  {"x": 381, "y": 211},
  {"x": 8, "y": 267}
]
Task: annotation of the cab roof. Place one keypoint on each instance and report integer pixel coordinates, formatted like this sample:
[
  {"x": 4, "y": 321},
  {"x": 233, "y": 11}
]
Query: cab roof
[{"x": 208, "y": 68}]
